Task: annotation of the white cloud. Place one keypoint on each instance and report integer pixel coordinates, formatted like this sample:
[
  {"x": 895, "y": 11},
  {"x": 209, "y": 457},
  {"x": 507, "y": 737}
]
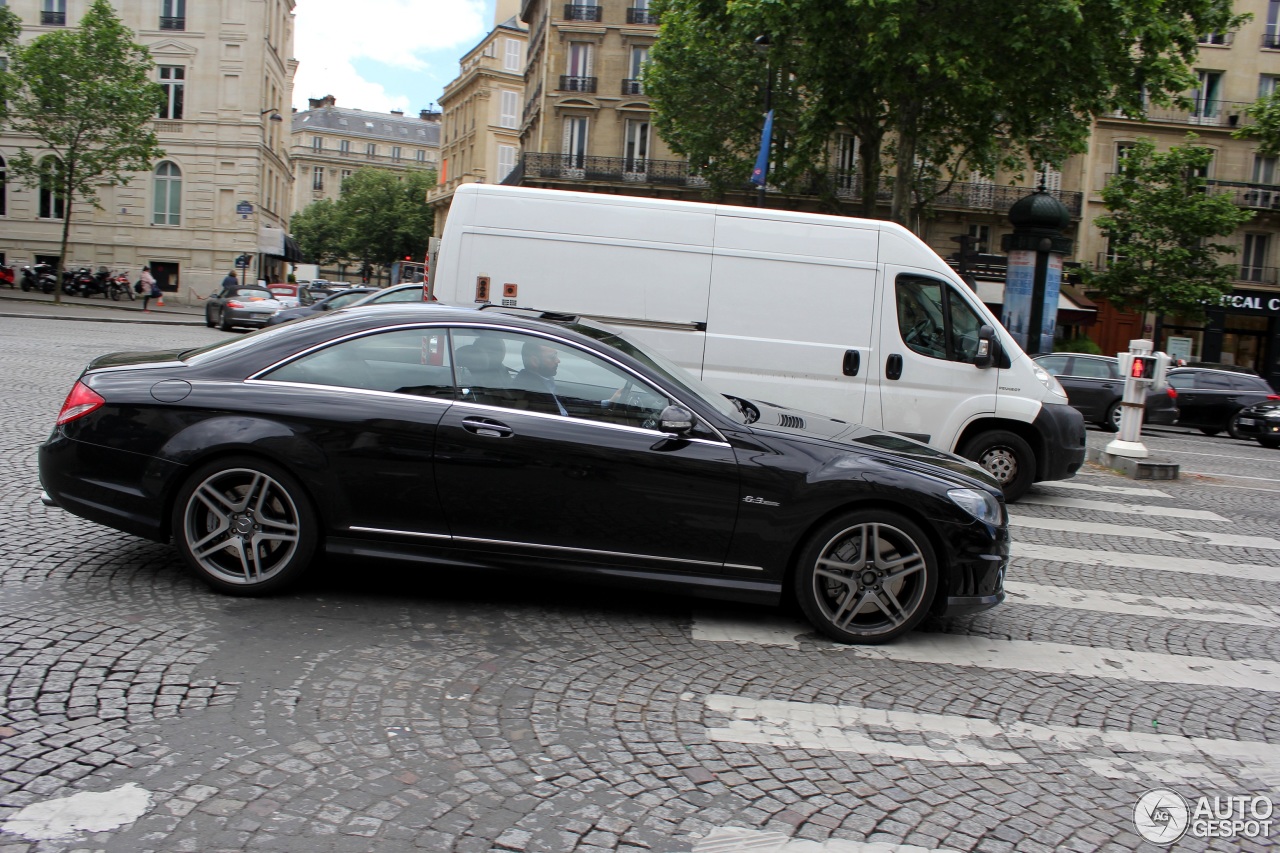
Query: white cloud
[{"x": 332, "y": 34}]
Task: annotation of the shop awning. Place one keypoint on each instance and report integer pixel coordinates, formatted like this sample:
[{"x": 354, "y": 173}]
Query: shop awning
[
  {"x": 275, "y": 243},
  {"x": 1069, "y": 298}
]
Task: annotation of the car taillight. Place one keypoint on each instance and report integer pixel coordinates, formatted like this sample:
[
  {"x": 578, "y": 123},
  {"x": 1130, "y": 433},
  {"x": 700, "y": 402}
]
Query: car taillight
[
  {"x": 1172, "y": 392},
  {"x": 1273, "y": 396},
  {"x": 81, "y": 401},
  {"x": 234, "y": 304}
]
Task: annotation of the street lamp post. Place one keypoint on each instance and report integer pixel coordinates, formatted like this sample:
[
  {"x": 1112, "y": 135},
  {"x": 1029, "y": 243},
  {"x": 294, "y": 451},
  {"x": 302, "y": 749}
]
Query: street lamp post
[{"x": 763, "y": 43}]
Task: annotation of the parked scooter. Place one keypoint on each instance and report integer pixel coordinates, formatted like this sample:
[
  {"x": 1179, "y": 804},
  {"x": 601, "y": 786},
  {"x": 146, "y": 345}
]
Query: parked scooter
[
  {"x": 40, "y": 277},
  {"x": 85, "y": 283}
]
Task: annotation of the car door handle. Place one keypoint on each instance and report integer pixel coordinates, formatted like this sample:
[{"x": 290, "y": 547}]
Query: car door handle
[
  {"x": 893, "y": 366},
  {"x": 852, "y": 361},
  {"x": 487, "y": 428}
]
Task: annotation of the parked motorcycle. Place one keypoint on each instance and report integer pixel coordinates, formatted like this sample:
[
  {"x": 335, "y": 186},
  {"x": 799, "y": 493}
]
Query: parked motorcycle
[
  {"x": 85, "y": 283},
  {"x": 6, "y": 276},
  {"x": 40, "y": 277},
  {"x": 69, "y": 281},
  {"x": 118, "y": 285}
]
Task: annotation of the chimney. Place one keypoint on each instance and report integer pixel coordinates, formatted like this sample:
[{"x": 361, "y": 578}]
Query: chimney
[
  {"x": 398, "y": 113},
  {"x": 326, "y": 101}
]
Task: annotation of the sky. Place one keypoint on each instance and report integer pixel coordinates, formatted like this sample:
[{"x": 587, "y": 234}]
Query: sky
[{"x": 383, "y": 55}]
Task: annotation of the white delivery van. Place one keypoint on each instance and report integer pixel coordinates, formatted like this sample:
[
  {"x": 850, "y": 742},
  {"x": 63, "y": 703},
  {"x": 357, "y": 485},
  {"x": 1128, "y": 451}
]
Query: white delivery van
[{"x": 853, "y": 318}]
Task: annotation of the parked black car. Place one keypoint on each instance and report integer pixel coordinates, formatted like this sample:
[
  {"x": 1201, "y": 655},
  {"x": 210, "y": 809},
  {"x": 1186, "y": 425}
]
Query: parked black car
[
  {"x": 329, "y": 303},
  {"x": 1210, "y": 400},
  {"x": 1094, "y": 386},
  {"x": 433, "y": 435}
]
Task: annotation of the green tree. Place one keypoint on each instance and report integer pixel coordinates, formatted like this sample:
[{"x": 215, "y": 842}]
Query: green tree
[
  {"x": 10, "y": 29},
  {"x": 380, "y": 217},
  {"x": 85, "y": 99},
  {"x": 1265, "y": 113},
  {"x": 963, "y": 86},
  {"x": 1162, "y": 224}
]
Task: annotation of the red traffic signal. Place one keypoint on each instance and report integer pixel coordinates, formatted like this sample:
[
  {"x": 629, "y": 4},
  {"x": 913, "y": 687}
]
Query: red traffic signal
[{"x": 1144, "y": 367}]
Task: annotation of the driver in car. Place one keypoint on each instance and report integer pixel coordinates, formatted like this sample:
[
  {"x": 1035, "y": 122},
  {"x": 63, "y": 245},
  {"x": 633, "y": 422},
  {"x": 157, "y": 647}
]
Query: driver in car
[{"x": 538, "y": 379}]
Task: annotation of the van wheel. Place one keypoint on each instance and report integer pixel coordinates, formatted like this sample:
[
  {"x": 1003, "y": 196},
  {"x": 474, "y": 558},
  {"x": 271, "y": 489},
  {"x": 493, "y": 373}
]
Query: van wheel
[
  {"x": 1005, "y": 456},
  {"x": 866, "y": 577}
]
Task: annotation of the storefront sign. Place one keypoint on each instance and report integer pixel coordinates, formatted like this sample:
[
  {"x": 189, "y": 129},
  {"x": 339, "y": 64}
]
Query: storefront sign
[{"x": 1256, "y": 303}]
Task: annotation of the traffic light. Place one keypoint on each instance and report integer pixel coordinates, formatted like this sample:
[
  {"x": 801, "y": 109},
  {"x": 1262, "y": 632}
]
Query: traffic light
[{"x": 1143, "y": 367}]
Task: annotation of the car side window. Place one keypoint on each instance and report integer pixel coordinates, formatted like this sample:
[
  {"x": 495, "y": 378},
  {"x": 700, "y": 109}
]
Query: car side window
[
  {"x": 410, "y": 295},
  {"x": 1252, "y": 384},
  {"x": 1181, "y": 381},
  {"x": 407, "y": 361},
  {"x": 1055, "y": 364},
  {"x": 517, "y": 371},
  {"x": 1090, "y": 368},
  {"x": 934, "y": 321},
  {"x": 1213, "y": 382}
]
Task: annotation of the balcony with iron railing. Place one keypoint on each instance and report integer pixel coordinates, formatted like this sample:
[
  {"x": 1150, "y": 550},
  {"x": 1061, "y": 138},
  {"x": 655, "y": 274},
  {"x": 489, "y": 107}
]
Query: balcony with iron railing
[
  {"x": 1244, "y": 273},
  {"x": 53, "y": 19},
  {"x": 581, "y": 12},
  {"x": 633, "y": 86},
  {"x": 641, "y": 16},
  {"x": 1205, "y": 113},
  {"x": 1271, "y": 41},
  {"x": 1248, "y": 195},
  {"x": 570, "y": 83},
  {"x": 173, "y": 23}
]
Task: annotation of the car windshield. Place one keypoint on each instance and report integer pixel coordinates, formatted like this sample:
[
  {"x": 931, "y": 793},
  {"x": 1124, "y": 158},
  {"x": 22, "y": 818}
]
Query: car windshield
[
  {"x": 252, "y": 293},
  {"x": 667, "y": 369}
]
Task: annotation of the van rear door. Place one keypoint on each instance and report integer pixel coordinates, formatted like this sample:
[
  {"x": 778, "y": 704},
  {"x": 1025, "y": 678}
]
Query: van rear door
[{"x": 929, "y": 387}]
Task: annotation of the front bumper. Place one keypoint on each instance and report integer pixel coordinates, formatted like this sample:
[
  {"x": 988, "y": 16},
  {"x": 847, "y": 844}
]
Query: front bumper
[
  {"x": 1061, "y": 429},
  {"x": 977, "y": 557},
  {"x": 256, "y": 319},
  {"x": 1255, "y": 427}
]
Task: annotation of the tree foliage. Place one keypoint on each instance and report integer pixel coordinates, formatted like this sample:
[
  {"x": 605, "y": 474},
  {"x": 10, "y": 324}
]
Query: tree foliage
[
  {"x": 380, "y": 217},
  {"x": 1265, "y": 113},
  {"x": 1162, "y": 224},
  {"x": 85, "y": 99},
  {"x": 960, "y": 86},
  {"x": 10, "y": 29}
]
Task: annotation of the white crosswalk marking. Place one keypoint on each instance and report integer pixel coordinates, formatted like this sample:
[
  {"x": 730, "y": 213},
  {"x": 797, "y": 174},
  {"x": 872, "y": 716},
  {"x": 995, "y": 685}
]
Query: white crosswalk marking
[
  {"x": 1117, "y": 507},
  {"x": 1075, "y": 485},
  {"x": 732, "y": 839},
  {"x": 1097, "y": 528},
  {"x": 1136, "y": 604},
  {"x": 1156, "y": 562},
  {"x": 966, "y": 740}
]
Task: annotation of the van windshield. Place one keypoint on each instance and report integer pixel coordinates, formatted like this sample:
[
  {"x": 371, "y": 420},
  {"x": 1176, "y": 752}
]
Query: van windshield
[{"x": 669, "y": 370}]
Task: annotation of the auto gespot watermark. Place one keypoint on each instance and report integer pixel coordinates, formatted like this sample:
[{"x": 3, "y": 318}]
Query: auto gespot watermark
[{"x": 1163, "y": 816}]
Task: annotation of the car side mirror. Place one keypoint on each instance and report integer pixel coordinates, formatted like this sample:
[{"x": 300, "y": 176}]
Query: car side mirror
[
  {"x": 987, "y": 346},
  {"x": 676, "y": 419}
]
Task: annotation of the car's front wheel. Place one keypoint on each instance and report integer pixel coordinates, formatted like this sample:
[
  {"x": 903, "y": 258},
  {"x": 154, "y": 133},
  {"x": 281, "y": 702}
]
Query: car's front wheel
[
  {"x": 245, "y": 526},
  {"x": 866, "y": 577},
  {"x": 1233, "y": 427}
]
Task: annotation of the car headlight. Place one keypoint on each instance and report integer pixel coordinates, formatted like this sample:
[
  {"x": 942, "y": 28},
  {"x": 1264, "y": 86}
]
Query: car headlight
[
  {"x": 1048, "y": 380},
  {"x": 980, "y": 505}
]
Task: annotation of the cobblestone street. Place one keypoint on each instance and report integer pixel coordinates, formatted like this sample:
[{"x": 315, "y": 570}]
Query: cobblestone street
[{"x": 384, "y": 708}]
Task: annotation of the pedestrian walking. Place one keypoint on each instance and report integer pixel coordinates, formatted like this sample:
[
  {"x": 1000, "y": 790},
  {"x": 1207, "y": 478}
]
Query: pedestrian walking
[
  {"x": 230, "y": 280},
  {"x": 150, "y": 289}
]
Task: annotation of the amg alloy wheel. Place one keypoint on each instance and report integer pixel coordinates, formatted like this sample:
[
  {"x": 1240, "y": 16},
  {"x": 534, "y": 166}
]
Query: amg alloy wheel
[
  {"x": 244, "y": 526},
  {"x": 867, "y": 577}
]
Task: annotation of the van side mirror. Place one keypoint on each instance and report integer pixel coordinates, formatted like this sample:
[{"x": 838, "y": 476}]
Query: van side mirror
[
  {"x": 987, "y": 346},
  {"x": 676, "y": 419}
]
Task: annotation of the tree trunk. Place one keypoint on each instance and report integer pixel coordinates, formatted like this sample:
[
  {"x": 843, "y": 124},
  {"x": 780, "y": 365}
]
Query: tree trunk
[
  {"x": 869, "y": 177},
  {"x": 62, "y": 252}
]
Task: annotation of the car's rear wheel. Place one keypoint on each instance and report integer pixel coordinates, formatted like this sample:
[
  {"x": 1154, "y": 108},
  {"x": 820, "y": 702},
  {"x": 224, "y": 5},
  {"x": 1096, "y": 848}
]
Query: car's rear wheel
[
  {"x": 224, "y": 324},
  {"x": 244, "y": 526},
  {"x": 1233, "y": 427},
  {"x": 1111, "y": 423},
  {"x": 1005, "y": 456},
  {"x": 866, "y": 577},
  {"x": 1210, "y": 430}
]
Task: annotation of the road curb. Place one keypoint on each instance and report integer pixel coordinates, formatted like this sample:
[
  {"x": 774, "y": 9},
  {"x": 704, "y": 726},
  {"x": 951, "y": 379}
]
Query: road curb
[{"x": 145, "y": 321}]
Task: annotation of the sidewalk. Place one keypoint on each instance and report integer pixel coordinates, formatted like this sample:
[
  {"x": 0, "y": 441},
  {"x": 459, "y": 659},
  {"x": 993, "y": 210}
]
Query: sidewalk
[{"x": 15, "y": 303}]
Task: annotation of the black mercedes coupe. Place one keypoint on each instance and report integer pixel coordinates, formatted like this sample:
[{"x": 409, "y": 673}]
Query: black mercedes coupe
[{"x": 458, "y": 439}]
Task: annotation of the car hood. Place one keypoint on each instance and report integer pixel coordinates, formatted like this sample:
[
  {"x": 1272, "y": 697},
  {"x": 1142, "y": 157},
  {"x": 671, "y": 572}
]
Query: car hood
[{"x": 914, "y": 454}]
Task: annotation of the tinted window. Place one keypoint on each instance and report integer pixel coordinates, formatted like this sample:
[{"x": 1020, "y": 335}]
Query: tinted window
[
  {"x": 1255, "y": 384},
  {"x": 1093, "y": 368},
  {"x": 345, "y": 299},
  {"x": 1182, "y": 381},
  {"x": 251, "y": 293},
  {"x": 412, "y": 361},
  {"x": 518, "y": 371},
  {"x": 1213, "y": 381},
  {"x": 1055, "y": 364},
  {"x": 412, "y": 294}
]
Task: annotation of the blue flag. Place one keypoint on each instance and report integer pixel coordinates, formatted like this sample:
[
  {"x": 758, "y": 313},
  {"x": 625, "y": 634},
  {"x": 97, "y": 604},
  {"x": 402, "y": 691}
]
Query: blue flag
[{"x": 760, "y": 174}]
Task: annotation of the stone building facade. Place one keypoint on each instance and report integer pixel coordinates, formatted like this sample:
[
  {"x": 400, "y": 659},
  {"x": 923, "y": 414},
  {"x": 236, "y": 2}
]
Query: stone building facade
[{"x": 224, "y": 185}]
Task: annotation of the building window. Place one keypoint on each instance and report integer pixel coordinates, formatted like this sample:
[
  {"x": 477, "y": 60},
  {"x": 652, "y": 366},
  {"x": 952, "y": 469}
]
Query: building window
[
  {"x": 1271, "y": 37},
  {"x": 395, "y": 153},
  {"x": 421, "y": 155},
  {"x": 51, "y": 204},
  {"x": 173, "y": 14},
  {"x": 635, "y": 150},
  {"x": 634, "y": 83},
  {"x": 579, "y": 59},
  {"x": 344, "y": 146},
  {"x": 510, "y": 109},
  {"x": 1264, "y": 170},
  {"x": 53, "y": 13},
  {"x": 317, "y": 143},
  {"x": 346, "y": 173},
  {"x": 1208, "y": 98},
  {"x": 1123, "y": 150},
  {"x": 1253, "y": 262},
  {"x": 575, "y": 141},
  {"x": 371, "y": 150},
  {"x": 166, "y": 207},
  {"x": 173, "y": 82},
  {"x": 511, "y": 58},
  {"x": 1051, "y": 179},
  {"x": 506, "y": 161},
  {"x": 317, "y": 178},
  {"x": 981, "y": 238}
]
